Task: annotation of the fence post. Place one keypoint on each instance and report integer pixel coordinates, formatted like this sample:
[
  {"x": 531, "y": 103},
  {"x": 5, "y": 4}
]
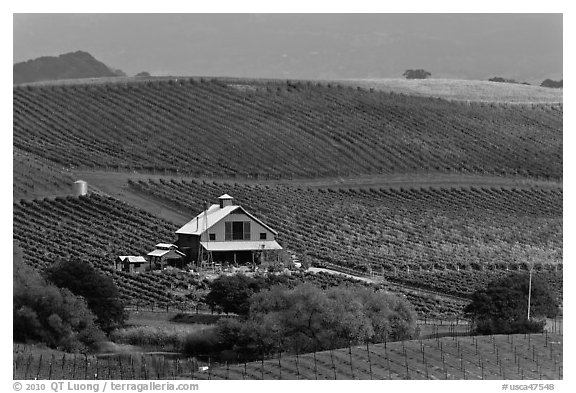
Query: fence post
[
  {"x": 145, "y": 367},
  {"x": 85, "y": 365},
  {"x": 280, "y": 363},
  {"x": 316, "y": 367},
  {"x": 50, "y": 367},
  {"x": 108, "y": 360},
  {"x": 350, "y": 355},
  {"x": 193, "y": 369},
  {"x": 369, "y": 359},
  {"x": 39, "y": 367},
  {"x": 297, "y": 366},
  {"x": 333, "y": 367},
  {"x": 30, "y": 362},
  {"x": 120, "y": 366},
  {"x": 63, "y": 363},
  {"x": 74, "y": 367}
]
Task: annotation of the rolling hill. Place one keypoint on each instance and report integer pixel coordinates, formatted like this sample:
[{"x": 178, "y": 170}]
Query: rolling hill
[
  {"x": 272, "y": 144},
  {"x": 276, "y": 130}
]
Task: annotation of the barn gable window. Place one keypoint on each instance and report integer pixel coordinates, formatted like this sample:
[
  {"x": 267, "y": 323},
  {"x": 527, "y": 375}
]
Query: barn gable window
[
  {"x": 262, "y": 235},
  {"x": 212, "y": 236},
  {"x": 237, "y": 230}
]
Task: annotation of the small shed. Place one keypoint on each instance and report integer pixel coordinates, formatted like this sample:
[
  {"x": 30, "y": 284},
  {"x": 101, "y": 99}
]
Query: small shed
[
  {"x": 165, "y": 256},
  {"x": 130, "y": 264}
]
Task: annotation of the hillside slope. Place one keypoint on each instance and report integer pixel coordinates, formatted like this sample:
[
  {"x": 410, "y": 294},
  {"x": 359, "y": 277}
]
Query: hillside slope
[
  {"x": 281, "y": 130},
  {"x": 450, "y": 240}
]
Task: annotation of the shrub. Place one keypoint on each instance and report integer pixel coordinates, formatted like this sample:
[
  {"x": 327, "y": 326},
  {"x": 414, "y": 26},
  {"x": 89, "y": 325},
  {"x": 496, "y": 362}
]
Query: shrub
[
  {"x": 47, "y": 314},
  {"x": 203, "y": 342},
  {"x": 99, "y": 291},
  {"x": 151, "y": 336}
]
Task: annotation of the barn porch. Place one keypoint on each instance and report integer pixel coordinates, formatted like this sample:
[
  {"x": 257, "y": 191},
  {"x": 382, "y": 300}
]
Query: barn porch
[{"x": 254, "y": 252}]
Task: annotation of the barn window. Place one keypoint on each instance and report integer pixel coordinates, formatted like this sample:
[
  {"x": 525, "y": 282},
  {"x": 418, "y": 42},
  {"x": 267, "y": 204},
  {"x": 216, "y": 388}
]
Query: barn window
[
  {"x": 237, "y": 230},
  {"x": 262, "y": 235},
  {"x": 212, "y": 236}
]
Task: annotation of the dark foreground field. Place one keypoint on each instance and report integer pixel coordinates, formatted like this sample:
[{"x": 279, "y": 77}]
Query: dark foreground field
[{"x": 514, "y": 357}]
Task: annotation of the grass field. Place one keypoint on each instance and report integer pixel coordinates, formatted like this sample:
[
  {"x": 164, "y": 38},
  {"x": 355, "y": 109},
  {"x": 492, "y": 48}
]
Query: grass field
[
  {"x": 514, "y": 357},
  {"x": 465, "y": 90}
]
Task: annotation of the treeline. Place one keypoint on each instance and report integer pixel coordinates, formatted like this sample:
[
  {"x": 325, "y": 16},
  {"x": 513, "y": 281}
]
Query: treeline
[{"x": 546, "y": 83}]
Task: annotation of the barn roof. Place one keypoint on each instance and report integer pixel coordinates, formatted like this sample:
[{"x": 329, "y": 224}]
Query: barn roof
[
  {"x": 199, "y": 224},
  {"x": 255, "y": 245},
  {"x": 132, "y": 259}
]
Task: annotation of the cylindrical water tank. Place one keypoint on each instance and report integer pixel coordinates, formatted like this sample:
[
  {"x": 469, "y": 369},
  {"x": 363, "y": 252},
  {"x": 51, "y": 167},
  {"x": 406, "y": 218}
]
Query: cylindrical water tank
[{"x": 80, "y": 188}]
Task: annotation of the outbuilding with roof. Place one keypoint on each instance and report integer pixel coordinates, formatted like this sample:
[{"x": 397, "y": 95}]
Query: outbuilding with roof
[{"x": 165, "y": 254}]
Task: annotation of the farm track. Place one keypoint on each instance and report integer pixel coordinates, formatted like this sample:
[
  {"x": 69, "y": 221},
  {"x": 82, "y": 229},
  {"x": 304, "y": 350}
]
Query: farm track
[
  {"x": 116, "y": 184},
  {"x": 513, "y": 357},
  {"x": 378, "y": 279}
]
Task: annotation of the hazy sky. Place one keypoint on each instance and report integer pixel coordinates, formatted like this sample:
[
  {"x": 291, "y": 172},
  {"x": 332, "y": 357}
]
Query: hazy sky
[{"x": 525, "y": 47}]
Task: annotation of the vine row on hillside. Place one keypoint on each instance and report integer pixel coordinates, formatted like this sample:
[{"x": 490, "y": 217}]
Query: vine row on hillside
[
  {"x": 97, "y": 229},
  {"x": 450, "y": 240},
  {"x": 281, "y": 130}
]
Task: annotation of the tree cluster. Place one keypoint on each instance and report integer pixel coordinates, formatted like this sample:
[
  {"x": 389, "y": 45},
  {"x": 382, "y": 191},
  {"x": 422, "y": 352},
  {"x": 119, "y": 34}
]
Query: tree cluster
[
  {"x": 231, "y": 294},
  {"x": 45, "y": 313},
  {"x": 100, "y": 292},
  {"x": 504, "y": 80},
  {"x": 502, "y": 308},
  {"x": 553, "y": 84},
  {"x": 306, "y": 318},
  {"x": 416, "y": 74}
]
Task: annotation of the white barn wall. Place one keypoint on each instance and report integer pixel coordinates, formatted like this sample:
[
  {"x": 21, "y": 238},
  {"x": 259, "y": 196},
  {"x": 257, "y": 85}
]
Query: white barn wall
[{"x": 255, "y": 228}]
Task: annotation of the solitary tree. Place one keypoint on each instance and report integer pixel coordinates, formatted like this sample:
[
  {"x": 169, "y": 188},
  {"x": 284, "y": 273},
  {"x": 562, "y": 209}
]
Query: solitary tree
[
  {"x": 416, "y": 74},
  {"x": 502, "y": 308}
]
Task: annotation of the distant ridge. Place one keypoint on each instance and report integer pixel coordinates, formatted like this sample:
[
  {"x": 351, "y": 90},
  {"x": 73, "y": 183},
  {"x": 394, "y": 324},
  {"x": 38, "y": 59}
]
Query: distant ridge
[{"x": 73, "y": 65}]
